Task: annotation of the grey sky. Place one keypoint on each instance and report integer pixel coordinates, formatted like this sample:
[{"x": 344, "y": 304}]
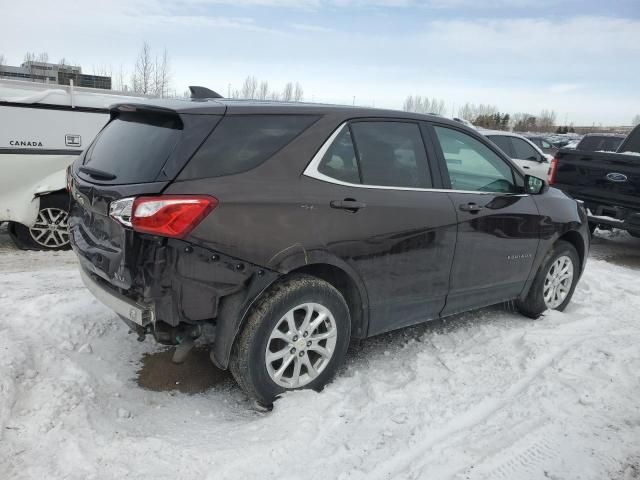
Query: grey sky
[{"x": 577, "y": 58}]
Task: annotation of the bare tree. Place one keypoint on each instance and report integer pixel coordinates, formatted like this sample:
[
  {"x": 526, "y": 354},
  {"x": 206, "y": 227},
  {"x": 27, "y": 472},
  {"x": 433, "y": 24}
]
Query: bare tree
[
  {"x": 298, "y": 93},
  {"x": 162, "y": 75},
  {"x": 249, "y": 87},
  {"x": 118, "y": 81},
  {"x": 102, "y": 70},
  {"x": 263, "y": 90},
  {"x": 635, "y": 121},
  {"x": 29, "y": 59},
  {"x": 275, "y": 96},
  {"x": 142, "y": 78},
  {"x": 287, "y": 93},
  {"x": 524, "y": 122},
  {"x": 420, "y": 104},
  {"x": 471, "y": 111},
  {"x": 546, "y": 121},
  {"x": 2, "y": 59}
]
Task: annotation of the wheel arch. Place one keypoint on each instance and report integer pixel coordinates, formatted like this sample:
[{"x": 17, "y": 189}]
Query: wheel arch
[
  {"x": 575, "y": 239},
  {"x": 235, "y": 309},
  {"x": 353, "y": 294}
]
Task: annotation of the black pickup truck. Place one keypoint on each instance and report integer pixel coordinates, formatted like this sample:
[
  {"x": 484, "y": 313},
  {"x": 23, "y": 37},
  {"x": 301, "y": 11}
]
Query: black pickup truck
[{"x": 607, "y": 183}]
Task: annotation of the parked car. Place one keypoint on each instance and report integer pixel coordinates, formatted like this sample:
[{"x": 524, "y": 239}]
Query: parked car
[
  {"x": 600, "y": 142},
  {"x": 524, "y": 152},
  {"x": 543, "y": 144},
  {"x": 278, "y": 232},
  {"x": 570, "y": 145},
  {"x": 608, "y": 183},
  {"x": 44, "y": 128}
]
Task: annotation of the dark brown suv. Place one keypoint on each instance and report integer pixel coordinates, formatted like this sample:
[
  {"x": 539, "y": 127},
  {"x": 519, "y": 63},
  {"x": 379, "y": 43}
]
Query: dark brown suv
[{"x": 278, "y": 232}]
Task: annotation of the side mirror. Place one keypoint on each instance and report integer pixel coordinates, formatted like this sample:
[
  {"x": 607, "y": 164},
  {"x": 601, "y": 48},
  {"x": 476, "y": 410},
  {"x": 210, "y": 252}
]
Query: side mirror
[{"x": 534, "y": 185}]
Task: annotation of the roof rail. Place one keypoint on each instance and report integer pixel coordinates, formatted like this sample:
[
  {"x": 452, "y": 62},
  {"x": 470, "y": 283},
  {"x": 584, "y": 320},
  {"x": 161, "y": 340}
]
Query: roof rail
[{"x": 203, "y": 92}]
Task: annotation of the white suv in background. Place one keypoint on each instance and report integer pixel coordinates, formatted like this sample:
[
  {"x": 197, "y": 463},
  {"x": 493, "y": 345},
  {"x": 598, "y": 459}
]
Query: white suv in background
[{"x": 523, "y": 151}]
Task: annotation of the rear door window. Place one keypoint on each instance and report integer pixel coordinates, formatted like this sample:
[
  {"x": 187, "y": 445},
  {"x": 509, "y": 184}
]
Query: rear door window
[
  {"x": 134, "y": 146},
  {"x": 523, "y": 150},
  {"x": 242, "y": 142},
  {"x": 391, "y": 154},
  {"x": 503, "y": 142}
]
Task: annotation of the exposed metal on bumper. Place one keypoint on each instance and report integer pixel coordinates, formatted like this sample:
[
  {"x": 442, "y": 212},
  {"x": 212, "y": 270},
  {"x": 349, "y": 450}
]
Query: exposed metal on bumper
[{"x": 122, "y": 305}]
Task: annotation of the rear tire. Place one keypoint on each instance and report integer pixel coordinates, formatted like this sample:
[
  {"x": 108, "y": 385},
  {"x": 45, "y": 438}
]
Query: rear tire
[
  {"x": 50, "y": 232},
  {"x": 296, "y": 337},
  {"x": 551, "y": 288}
]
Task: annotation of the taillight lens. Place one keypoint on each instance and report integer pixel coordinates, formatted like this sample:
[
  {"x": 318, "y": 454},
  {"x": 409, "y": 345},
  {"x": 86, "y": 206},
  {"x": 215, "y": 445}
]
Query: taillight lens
[
  {"x": 167, "y": 215},
  {"x": 553, "y": 169}
]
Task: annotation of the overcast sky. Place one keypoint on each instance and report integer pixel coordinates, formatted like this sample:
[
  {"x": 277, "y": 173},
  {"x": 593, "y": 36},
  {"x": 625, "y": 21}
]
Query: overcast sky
[{"x": 580, "y": 58}]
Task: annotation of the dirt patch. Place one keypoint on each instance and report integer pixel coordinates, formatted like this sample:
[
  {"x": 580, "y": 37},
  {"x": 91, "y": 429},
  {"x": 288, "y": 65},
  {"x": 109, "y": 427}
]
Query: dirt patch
[
  {"x": 624, "y": 260},
  {"x": 196, "y": 375}
]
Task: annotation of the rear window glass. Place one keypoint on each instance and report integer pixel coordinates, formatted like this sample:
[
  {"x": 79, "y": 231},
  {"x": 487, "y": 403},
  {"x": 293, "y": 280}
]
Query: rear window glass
[
  {"x": 523, "y": 150},
  {"x": 503, "y": 142},
  {"x": 135, "y": 146},
  {"x": 240, "y": 143},
  {"x": 340, "y": 160},
  {"x": 596, "y": 144},
  {"x": 391, "y": 154}
]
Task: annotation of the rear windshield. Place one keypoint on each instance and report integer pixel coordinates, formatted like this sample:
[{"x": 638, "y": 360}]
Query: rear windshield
[
  {"x": 600, "y": 143},
  {"x": 241, "y": 143},
  {"x": 134, "y": 146}
]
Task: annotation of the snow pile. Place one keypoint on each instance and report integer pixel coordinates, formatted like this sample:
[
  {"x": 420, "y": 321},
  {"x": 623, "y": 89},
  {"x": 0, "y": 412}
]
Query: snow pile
[{"x": 484, "y": 395}]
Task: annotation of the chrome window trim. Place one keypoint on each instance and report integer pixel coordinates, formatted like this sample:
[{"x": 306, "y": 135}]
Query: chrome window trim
[{"x": 312, "y": 172}]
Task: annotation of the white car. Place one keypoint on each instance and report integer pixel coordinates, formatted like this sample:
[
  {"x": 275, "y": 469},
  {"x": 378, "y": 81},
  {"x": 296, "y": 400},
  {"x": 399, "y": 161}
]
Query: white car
[
  {"x": 43, "y": 128},
  {"x": 524, "y": 152}
]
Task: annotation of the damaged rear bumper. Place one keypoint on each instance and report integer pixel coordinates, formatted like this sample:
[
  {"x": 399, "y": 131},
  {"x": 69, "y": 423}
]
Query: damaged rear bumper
[
  {"x": 178, "y": 290},
  {"x": 139, "y": 314}
]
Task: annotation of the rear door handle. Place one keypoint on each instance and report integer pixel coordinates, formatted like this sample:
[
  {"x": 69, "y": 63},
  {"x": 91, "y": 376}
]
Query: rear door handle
[
  {"x": 470, "y": 207},
  {"x": 348, "y": 204}
]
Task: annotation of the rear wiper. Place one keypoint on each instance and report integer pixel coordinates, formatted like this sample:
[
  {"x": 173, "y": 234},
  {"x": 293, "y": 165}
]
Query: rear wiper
[{"x": 96, "y": 173}]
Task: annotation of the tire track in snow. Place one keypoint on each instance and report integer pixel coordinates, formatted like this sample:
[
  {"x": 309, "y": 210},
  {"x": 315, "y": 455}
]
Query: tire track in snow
[
  {"x": 521, "y": 458},
  {"x": 399, "y": 464}
]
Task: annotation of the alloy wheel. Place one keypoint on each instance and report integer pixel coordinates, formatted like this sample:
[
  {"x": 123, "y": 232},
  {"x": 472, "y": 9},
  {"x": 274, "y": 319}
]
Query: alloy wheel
[
  {"x": 557, "y": 283},
  {"x": 51, "y": 229},
  {"x": 301, "y": 345}
]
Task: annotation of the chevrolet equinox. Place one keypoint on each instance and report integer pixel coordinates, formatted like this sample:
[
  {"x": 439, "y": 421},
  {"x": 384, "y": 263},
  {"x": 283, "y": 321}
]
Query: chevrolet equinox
[{"x": 276, "y": 232}]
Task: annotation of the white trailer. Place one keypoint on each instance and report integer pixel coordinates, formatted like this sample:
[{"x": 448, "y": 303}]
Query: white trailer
[{"x": 43, "y": 128}]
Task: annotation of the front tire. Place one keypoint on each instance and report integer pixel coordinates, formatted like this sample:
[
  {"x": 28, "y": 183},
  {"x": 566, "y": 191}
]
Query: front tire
[
  {"x": 554, "y": 283},
  {"x": 51, "y": 230},
  {"x": 296, "y": 337}
]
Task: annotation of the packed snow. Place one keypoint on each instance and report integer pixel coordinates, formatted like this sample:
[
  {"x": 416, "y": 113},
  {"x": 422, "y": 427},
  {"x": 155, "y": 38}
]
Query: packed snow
[{"x": 484, "y": 395}]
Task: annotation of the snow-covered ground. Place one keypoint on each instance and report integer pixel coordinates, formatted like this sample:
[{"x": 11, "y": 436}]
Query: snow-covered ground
[{"x": 484, "y": 395}]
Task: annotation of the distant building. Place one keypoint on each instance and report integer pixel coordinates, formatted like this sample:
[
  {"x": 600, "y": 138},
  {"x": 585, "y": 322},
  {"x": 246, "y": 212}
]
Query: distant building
[{"x": 54, "y": 73}]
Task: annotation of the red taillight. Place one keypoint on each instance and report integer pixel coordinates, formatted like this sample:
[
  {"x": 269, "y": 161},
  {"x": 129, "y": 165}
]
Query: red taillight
[
  {"x": 553, "y": 169},
  {"x": 170, "y": 215}
]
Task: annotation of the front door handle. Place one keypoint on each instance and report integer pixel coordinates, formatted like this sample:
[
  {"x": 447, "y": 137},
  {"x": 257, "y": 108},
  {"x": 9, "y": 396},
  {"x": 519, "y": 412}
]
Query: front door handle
[
  {"x": 348, "y": 204},
  {"x": 470, "y": 207}
]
